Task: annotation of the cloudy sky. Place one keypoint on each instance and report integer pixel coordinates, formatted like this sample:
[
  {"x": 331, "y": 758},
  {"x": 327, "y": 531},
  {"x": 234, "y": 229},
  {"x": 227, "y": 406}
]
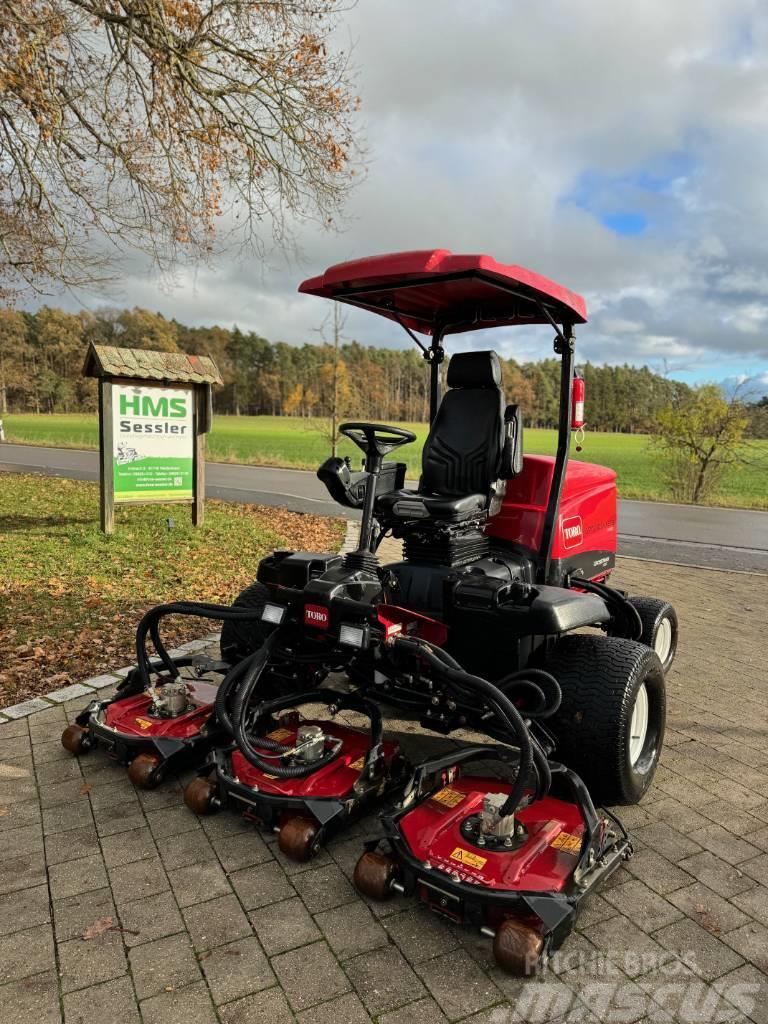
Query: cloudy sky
[{"x": 619, "y": 146}]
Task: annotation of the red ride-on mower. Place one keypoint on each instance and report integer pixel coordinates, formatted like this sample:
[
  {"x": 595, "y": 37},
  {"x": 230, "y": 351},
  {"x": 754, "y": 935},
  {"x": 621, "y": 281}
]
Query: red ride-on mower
[
  {"x": 302, "y": 778},
  {"x": 508, "y": 553}
]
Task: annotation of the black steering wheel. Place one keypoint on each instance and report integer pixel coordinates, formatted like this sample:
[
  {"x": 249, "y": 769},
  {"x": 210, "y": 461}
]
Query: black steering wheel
[{"x": 376, "y": 438}]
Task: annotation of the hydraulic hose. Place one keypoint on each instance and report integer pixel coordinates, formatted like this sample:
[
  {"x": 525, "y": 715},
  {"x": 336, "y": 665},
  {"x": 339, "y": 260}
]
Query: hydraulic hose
[
  {"x": 224, "y": 692},
  {"x": 503, "y": 705},
  {"x": 249, "y": 748},
  {"x": 612, "y": 597},
  {"x": 534, "y": 680},
  {"x": 150, "y": 624}
]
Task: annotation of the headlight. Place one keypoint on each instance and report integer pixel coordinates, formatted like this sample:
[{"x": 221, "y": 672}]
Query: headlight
[
  {"x": 273, "y": 613},
  {"x": 352, "y": 636}
]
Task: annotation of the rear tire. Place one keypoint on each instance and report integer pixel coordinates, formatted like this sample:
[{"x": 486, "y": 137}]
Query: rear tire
[
  {"x": 659, "y": 621},
  {"x": 239, "y": 639},
  {"x": 610, "y": 725}
]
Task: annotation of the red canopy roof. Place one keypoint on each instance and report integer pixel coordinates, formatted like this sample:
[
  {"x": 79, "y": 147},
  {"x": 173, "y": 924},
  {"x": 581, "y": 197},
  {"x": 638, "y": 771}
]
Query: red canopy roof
[{"x": 430, "y": 287}]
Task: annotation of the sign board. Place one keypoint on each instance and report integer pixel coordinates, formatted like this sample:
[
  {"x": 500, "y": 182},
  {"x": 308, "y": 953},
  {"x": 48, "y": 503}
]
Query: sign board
[
  {"x": 153, "y": 443},
  {"x": 155, "y": 409}
]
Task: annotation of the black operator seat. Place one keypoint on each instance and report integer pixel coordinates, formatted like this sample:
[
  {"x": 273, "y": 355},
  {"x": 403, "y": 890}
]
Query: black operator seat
[{"x": 462, "y": 460}]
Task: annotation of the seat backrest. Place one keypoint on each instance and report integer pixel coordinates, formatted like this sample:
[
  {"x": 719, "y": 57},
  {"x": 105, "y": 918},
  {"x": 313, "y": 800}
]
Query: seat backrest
[{"x": 462, "y": 454}]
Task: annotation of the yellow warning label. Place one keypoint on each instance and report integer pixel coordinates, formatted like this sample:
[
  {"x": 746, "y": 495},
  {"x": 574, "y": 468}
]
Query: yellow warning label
[
  {"x": 449, "y": 797},
  {"x": 470, "y": 859},
  {"x": 279, "y": 735},
  {"x": 143, "y": 723},
  {"x": 567, "y": 843},
  {"x": 358, "y": 765}
]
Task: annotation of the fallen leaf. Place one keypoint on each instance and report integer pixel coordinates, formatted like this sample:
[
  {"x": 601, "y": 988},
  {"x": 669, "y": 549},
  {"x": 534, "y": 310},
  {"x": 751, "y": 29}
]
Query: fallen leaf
[
  {"x": 98, "y": 927},
  {"x": 3, "y": 812},
  {"x": 85, "y": 789}
]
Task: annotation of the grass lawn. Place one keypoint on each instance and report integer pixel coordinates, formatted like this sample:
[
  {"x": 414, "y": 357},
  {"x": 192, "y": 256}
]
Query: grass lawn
[
  {"x": 283, "y": 441},
  {"x": 71, "y": 597}
]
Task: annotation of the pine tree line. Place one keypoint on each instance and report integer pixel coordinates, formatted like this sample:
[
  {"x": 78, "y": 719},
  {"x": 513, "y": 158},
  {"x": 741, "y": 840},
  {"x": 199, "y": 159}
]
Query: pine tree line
[{"x": 41, "y": 356}]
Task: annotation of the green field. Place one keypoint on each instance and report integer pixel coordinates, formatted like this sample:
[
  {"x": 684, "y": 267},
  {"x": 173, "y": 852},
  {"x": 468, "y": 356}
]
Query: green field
[{"x": 282, "y": 441}]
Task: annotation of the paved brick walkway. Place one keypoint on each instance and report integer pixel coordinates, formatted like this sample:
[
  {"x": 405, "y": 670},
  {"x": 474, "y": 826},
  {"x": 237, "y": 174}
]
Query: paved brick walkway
[{"x": 210, "y": 923}]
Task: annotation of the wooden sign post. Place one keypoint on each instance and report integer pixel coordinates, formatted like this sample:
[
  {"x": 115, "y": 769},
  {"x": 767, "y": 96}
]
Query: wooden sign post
[{"x": 154, "y": 413}]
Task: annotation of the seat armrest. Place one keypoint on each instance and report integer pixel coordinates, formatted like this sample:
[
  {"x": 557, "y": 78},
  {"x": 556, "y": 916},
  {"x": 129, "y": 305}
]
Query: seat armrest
[
  {"x": 512, "y": 450},
  {"x": 348, "y": 487}
]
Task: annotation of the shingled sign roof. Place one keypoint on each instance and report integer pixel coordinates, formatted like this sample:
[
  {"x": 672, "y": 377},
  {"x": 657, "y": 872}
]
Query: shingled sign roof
[{"x": 142, "y": 364}]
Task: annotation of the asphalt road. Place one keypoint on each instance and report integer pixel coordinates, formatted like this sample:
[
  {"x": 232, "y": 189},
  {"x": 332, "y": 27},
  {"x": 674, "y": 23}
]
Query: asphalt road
[{"x": 713, "y": 537}]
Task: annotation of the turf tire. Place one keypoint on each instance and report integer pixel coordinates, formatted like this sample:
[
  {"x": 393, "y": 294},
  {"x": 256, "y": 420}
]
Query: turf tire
[
  {"x": 653, "y": 612},
  {"x": 600, "y": 678},
  {"x": 239, "y": 639}
]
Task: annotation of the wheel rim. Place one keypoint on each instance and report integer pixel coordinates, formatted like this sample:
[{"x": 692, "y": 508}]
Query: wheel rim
[
  {"x": 638, "y": 727},
  {"x": 663, "y": 642}
]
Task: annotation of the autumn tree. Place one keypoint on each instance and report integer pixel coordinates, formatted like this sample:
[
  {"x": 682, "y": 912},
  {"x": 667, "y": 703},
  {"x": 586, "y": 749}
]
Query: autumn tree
[
  {"x": 701, "y": 435},
  {"x": 13, "y": 343},
  {"x": 147, "y": 124}
]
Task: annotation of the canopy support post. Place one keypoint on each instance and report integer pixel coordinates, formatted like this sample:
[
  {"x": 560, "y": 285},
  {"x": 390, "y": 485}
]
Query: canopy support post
[
  {"x": 435, "y": 356},
  {"x": 565, "y": 344}
]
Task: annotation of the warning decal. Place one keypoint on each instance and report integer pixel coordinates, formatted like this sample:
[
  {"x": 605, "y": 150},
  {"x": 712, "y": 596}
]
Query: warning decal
[
  {"x": 567, "y": 843},
  {"x": 448, "y": 797},
  {"x": 468, "y": 858},
  {"x": 279, "y": 735},
  {"x": 358, "y": 765},
  {"x": 143, "y": 723}
]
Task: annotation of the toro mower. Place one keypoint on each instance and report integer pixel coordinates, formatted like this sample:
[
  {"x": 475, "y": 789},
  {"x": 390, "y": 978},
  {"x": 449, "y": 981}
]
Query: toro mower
[{"x": 480, "y": 626}]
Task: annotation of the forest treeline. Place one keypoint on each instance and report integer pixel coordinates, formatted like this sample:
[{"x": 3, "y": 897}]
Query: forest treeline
[{"x": 41, "y": 357}]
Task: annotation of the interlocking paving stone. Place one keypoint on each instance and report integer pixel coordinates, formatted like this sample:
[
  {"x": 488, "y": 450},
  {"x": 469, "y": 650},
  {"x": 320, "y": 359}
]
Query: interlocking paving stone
[
  {"x": 127, "y": 847},
  {"x": 84, "y": 962},
  {"x": 23, "y": 840},
  {"x": 241, "y": 851},
  {"x": 191, "y": 1004},
  {"x": 24, "y": 908},
  {"x": 31, "y": 1000},
  {"x": 236, "y": 970},
  {"x": 154, "y": 917},
  {"x": 135, "y": 881},
  {"x": 420, "y": 934},
  {"x": 346, "y": 1008},
  {"x": 351, "y": 929},
  {"x": 284, "y": 925},
  {"x": 324, "y": 888},
  {"x": 261, "y": 885},
  {"x": 751, "y": 942},
  {"x": 711, "y": 957},
  {"x": 27, "y": 707},
  {"x": 458, "y": 985},
  {"x": 216, "y": 921},
  {"x": 725, "y": 879},
  {"x": 711, "y": 911},
  {"x": 162, "y": 965},
  {"x": 648, "y": 910},
  {"x": 72, "y": 915},
  {"x": 309, "y": 975},
  {"x": 26, "y": 952},
  {"x": 188, "y": 848},
  {"x": 75, "y": 876},
  {"x": 383, "y": 980},
  {"x": 171, "y": 821},
  {"x": 423, "y": 1011},
  {"x": 267, "y": 1007},
  {"x": 74, "y": 845},
  {"x": 197, "y": 883},
  {"x": 110, "y": 1001}
]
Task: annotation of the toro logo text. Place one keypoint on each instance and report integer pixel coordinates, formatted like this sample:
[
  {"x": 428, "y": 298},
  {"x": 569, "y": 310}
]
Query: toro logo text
[
  {"x": 573, "y": 532},
  {"x": 316, "y": 615}
]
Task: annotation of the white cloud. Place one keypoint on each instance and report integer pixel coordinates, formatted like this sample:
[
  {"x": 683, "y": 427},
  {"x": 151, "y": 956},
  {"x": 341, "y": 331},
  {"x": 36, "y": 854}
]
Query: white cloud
[{"x": 481, "y": 121}]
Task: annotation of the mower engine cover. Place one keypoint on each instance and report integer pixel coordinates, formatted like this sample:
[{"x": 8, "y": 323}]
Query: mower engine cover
[{"x": 585, "y": 540}]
